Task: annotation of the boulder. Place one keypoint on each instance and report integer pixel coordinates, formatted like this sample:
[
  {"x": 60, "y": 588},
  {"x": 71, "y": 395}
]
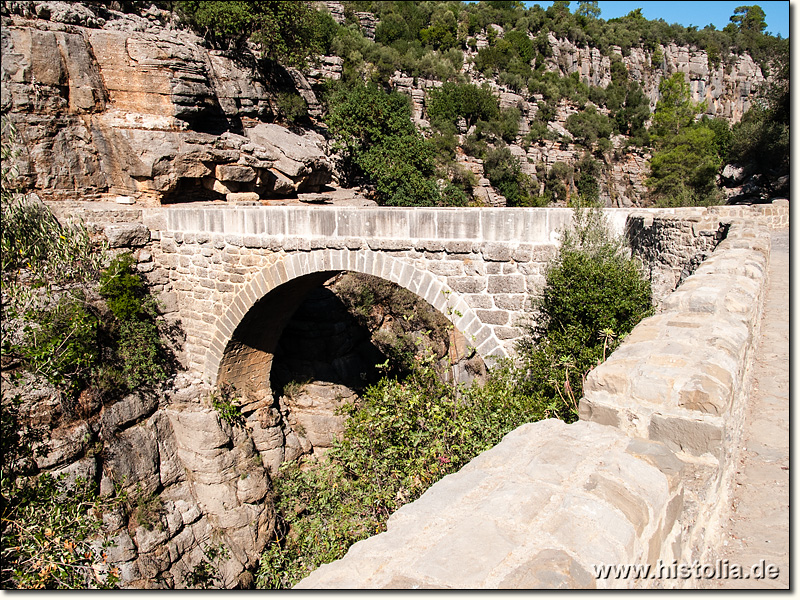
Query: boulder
[
  {"x": 301, "y": 159},
  {"x": 313, "y": 411},
  {"x": 124, "y": 235}
]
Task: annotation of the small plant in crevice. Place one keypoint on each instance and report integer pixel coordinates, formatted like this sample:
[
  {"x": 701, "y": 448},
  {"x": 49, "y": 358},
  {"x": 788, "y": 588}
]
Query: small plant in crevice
[
  {"x": 205, "y": 575},
  {"x": 146, "y": 511},
  {"x": 224, "y": 401}
]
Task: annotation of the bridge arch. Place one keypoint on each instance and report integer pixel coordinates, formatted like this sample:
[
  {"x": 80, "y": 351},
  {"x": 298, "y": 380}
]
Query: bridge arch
[{"x": 240, "y": 350}]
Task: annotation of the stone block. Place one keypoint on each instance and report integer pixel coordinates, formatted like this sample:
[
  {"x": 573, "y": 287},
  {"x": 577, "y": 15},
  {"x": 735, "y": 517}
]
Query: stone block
[
  {"x": 458, "y": 247},
  {"x": 549, "y": 569},
  {"x": 589, "y": 410},
  {"x": 496, "y": 251},
  {"x": 694, "y": 436},
  {"x": 493, "y": 317},
  {"x": 477, "y": 300},
  {"x": 507, "y": 333},
  {"x": 705, "y": 394},
  {"x": 467, "y": 285},
  {"x": 522, "y": 253},
  {"x": 242, "y": 197},
  {"x": 237, "y": 173},
  {"x": 621, "y": 497},
  {"x": 126, "y": 235},
  {"x": 510, "y": 301},
  {"x": 506, "y": 284}
]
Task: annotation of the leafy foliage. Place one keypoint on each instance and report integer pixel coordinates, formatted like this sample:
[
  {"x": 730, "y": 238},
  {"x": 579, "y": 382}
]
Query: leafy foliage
[
  {"x": 593, "y": 296},
  {"x": 142, "y": 354},
  {"x": 453, "y": 101},
  {"x": 375, "y": 135},
  {"x": 223, "y": 401},
  {"x": 689, "y": 153},
  {"x": 403, "y": 437},
  {"x": 288, "y": 32},
  {"x": 53, "y": 539},
  {"x": 505, "y": 173}
]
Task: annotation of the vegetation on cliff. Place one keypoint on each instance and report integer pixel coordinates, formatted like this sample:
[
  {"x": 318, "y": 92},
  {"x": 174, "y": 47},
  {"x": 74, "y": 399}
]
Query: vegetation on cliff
[
  {"x": 79, "y": 320},
  {"x": 435, "y": 40}
]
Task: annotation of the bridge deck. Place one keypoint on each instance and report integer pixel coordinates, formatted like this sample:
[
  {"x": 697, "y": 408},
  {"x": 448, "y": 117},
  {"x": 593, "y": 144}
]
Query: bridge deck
[{"x": 759, "y": 524}]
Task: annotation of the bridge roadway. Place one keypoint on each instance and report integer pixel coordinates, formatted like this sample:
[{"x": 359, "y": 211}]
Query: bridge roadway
[{"x": 758, "y": 526}]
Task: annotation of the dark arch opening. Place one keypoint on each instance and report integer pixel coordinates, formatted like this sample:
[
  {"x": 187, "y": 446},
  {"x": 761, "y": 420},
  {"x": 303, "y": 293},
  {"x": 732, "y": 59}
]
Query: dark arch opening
[{"x": 319, "y": 340}]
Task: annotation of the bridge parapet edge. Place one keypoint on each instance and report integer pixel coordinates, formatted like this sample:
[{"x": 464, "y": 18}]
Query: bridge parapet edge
[{"x": 680, "y": 377}]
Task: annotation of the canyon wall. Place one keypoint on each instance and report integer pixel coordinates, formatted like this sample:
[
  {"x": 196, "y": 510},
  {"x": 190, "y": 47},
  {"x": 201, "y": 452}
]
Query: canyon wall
[{"x": 109, "y": 105}]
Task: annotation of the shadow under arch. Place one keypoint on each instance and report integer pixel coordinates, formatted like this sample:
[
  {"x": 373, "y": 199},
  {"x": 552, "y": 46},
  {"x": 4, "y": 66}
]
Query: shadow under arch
[{"x": 246, "y": 335}]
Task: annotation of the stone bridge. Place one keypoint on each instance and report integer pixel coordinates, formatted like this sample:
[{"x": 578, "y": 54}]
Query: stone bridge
[
  {"x": 643, "y": 477},
  {"x": 238, "y": 273}
]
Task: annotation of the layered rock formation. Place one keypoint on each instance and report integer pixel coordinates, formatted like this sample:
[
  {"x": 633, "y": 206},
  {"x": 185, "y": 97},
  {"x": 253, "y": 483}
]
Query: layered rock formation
[
  {"x": 113, "y": 104},
  {"x": 728, "y": 91},
  {"x": 134, "y": 106},
  {"x": 191, "y": 481}
]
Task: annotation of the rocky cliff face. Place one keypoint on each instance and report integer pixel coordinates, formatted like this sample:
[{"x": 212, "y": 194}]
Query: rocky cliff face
[
  {"x": 135, "y": 107},
  {"x": 728, "y": 91},
  {"x": 112, "y": 104},
  {"x": 192, "y": 480}
]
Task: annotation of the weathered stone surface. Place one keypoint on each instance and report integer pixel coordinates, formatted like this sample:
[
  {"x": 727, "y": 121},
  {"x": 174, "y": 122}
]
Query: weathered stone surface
[
  {"x": 237, "y": 173},
  {"x": 549, "y": 569},
  {"x": 123, "y": 235},
  {"x": 487, "y": 525},
  {"x": 126, "y": 412},
  {"x": 314, "y": 406},
  {"x": 132, "y": 458},
  {"x": 65, "y": 444}
]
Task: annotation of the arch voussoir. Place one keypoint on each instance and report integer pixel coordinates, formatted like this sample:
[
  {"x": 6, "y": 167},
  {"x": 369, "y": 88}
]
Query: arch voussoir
[{"x": 371, "y": 262}]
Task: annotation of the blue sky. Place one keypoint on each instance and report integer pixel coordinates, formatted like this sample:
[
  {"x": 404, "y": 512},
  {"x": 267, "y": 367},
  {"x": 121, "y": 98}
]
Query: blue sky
[{"x": 693, "y": 12}]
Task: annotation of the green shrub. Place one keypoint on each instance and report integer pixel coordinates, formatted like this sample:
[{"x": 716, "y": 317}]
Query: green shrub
[
  {"x": 142, "y": 357},
  {"x": 62, "y": 344},
  {"x": 594, "y": 295},
  {"x": 223, "y": 401},
  {"x": 292, "y": 107},
  {"x": 53, "y": 539},
  {"x": 288, "y": 32},
  {"x": 374, "y": 132},
  {"x": 505, "y": 173}
]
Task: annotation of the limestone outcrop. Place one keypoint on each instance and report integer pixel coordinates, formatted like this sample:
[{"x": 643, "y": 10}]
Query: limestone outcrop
[
  {"x": 134, "y": 106},
  {"x": 115, "y": 104},
  {"x": 727, "y": 89},
  {"x": 191, "y": 480}
]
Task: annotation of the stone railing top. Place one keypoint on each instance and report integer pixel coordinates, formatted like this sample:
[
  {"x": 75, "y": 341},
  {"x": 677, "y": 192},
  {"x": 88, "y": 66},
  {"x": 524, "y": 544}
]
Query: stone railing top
[{"x": 531, "y": 225}]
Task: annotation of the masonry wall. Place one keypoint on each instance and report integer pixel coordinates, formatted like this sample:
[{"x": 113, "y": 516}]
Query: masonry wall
[{"x": 680, "y": 376}]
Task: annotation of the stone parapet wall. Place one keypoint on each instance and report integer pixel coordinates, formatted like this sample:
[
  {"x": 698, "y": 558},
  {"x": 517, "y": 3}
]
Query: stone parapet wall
[
  {"x": 680, "y": 377},
  {"x": 774, "y": 215},
  {"x": 539, "y": 510}
]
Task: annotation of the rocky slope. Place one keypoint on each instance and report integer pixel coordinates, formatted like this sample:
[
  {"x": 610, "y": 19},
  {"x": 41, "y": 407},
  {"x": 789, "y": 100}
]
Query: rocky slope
[
  {"x": 137, "y": 107},
  {"x": 134, "y": 106}
]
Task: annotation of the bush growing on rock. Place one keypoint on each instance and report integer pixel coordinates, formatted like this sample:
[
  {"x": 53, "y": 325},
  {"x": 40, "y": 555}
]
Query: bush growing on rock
[
  {"x": 288, "y": 32},
  {"x": 594, "y": 295}
]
